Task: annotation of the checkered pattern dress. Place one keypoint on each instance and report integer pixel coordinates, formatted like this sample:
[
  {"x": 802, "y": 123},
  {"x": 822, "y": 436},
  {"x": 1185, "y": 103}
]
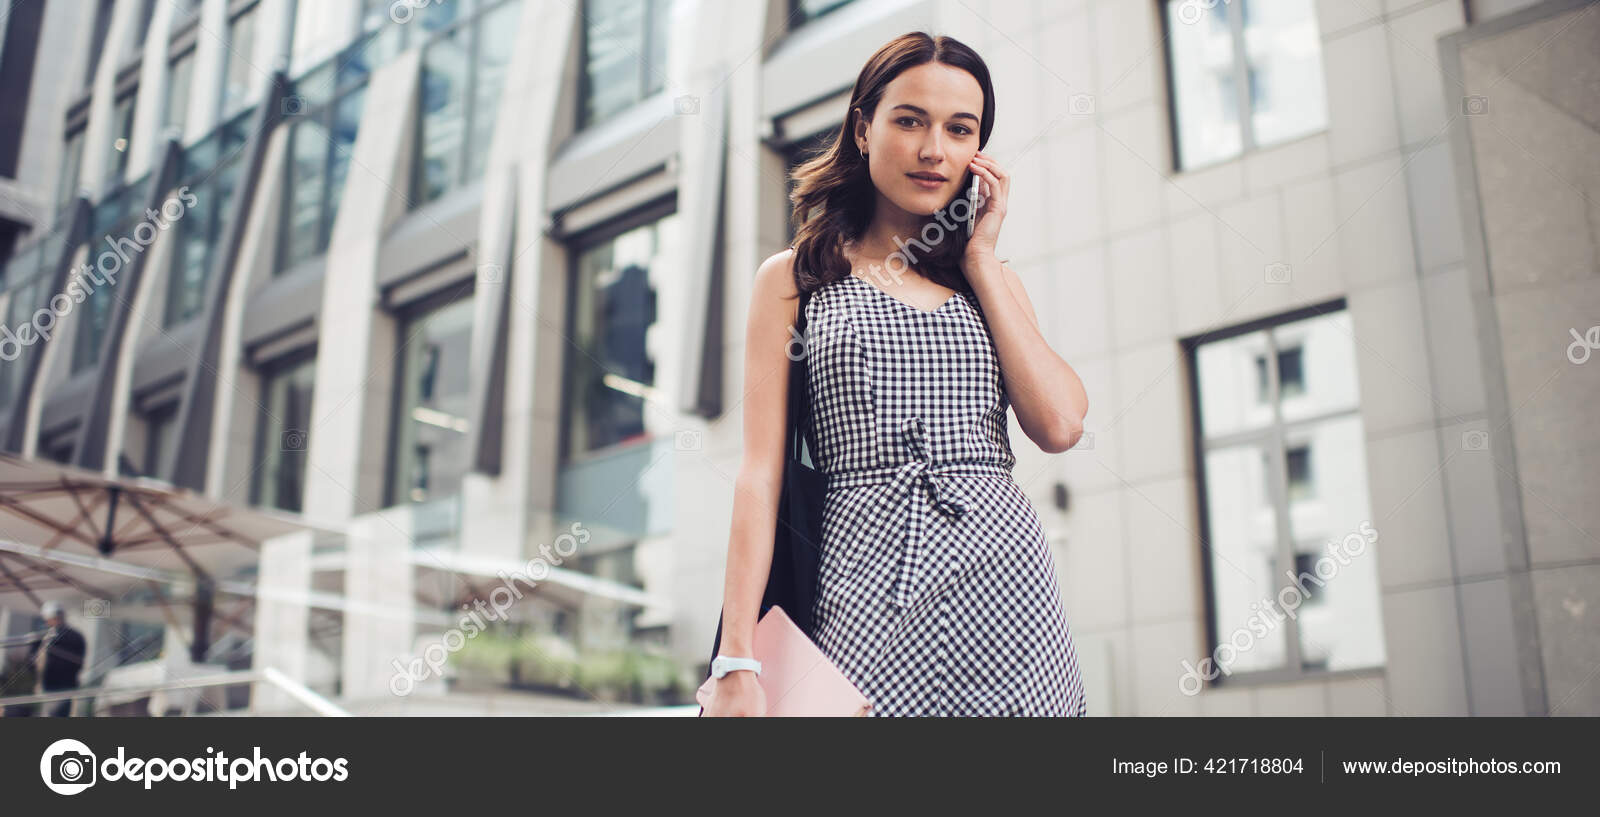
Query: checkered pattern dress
[{"x": 937, "y": 593}]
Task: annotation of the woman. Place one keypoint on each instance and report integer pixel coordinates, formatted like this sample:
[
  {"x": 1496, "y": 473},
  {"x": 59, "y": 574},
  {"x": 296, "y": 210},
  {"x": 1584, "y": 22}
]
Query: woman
[{"x": 937, "y": 593}]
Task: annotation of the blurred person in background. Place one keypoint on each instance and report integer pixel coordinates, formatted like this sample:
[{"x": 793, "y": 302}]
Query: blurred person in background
[{"x": 57, "y": 657}]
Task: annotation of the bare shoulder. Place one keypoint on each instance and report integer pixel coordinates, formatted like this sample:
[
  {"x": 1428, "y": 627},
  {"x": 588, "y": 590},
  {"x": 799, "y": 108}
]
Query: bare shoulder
[{"x": 774, "y": 281}]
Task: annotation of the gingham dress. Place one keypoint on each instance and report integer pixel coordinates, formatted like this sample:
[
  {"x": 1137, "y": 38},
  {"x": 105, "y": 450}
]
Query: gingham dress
[{"x": 937, "y": 593}]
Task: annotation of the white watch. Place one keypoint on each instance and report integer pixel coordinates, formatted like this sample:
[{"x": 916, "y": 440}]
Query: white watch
[{"x": 723, "y": 664}]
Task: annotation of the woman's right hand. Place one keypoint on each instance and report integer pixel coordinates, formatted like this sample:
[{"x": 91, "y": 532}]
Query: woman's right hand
[{"x": 737, "y": 695}]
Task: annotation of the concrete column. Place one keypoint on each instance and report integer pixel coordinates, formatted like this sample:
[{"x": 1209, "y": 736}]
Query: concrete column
[
  {"x": 348, "y": 443},
  {"x": 500, "y": 514},
  {"x": 379, "y": 627},
  {"x": 283, "y": 618}
]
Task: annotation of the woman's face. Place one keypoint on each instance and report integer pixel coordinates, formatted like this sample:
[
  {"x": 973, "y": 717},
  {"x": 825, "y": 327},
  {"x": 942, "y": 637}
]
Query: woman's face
[{"x": 925, "y": 125}]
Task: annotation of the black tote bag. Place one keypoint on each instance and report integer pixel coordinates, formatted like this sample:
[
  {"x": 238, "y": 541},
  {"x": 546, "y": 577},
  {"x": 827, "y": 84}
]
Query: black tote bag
[{"x": 797, "y": 540}]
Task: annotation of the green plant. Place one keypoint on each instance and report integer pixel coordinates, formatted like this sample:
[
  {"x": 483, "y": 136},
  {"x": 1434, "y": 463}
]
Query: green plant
[{"x": 634, "y": 673}]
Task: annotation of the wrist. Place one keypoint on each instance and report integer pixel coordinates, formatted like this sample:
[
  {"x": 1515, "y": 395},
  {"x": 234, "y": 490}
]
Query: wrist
[{"x": 725, "y": 664}]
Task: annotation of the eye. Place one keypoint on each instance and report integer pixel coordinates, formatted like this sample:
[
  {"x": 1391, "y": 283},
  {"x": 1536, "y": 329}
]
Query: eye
[
  {"x": 964, "y": 129},
  {"x": 910, "y": 119}
]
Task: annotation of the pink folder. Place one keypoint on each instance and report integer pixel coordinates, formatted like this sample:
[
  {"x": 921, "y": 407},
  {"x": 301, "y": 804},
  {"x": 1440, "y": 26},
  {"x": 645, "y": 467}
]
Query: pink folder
[{"x": 799, "y": 681}]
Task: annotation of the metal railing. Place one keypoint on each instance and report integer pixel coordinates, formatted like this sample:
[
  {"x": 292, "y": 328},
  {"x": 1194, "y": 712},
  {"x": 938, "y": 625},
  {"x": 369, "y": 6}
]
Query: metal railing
[{"x": 301, "y": 693}]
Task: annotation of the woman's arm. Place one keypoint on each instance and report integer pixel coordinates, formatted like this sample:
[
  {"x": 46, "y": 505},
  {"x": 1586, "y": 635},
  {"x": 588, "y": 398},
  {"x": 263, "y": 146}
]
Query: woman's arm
[
  {"x": 755, "y": 504},
  {"x": 1045, "y": 391}
]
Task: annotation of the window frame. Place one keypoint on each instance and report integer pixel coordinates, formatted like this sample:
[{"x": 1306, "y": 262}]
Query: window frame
[
  {"x": 471, "y": 49},
  {"x": 1276, "y": 445},
  {"x": 797, "y": 10},
  {"x": 235, "y": 14},
  {"x": 581, "y": 118},
  {"x": 279, "y": 366},
  {"x": 406, "y": 316},
  {"x": 1243, "y": 76},
  {"x": 327, "y": 115},
  {"x": 576, "y": 246}
]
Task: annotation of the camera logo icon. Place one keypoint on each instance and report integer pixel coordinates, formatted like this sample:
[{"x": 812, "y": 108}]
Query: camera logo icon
[{"x": 67, "y": 766}]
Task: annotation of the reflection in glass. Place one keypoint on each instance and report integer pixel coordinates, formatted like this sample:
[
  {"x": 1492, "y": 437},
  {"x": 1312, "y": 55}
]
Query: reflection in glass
[
  {"x": 611, "y": 371},
  {"x": 496, "y": 34},
  {"x": 1282, "y": 45},
  {"x": 444, "y": 84},
  {"x": 284, "y": 438},
  {"x": 159, "y": 439},
  {"x": 71, "y": 165},
  {"x": 96, "y": 311},
  {"x": 625, "y": 50},
  {"x": 1345, "y": 629},
  {"x": 308, "y": 156},
  {"x": 1275, "y": 61},
  {"x": 1230, "y": 369},
  {"x": 178, "y": 80},
  {"x": 1244, "y": 543},
  {"x": 238, "y": 79},
  {"x": 199, "y": 233},
  {"x": 319, "y": 147},
  {"x": 1289, "y": 526},
  {"x": 1204, "y": 99},
  {"x": 430, "y": 455}
]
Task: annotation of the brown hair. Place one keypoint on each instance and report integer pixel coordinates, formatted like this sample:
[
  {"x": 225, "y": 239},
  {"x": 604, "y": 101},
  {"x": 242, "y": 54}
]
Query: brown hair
[{"x": 833, "y": 194}]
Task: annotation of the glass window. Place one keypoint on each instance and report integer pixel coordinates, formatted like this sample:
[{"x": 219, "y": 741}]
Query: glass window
[
  {"x": 463, "y": 76},
  {"x": 497, "y": 34},
  {"x": 804, "y": 11},
  {"x": 307, "y": 167},
  {"x": 610, "y": 370},
  {"x": 95, "y": 317},
  {"x": 239, "y": 80},
  {"x": 199, "y": 233},
  {"x": 159, "y": 440},
  {"x": 345, "y": 123},
  {"x": 179, "y": 77},
  {"x": 138, "y": 641},
  {"x": 23, "y": 291},
  {"x": 121, "y": 133},
  {"x": 430, "y": 453},
  {"x": 284, "y": 436},
  {"x": 624, "y": 55},
  {"x": 1271, "y": 50},
  {"x": 102, "y": 27},
  {"x": 58, "y": 447},
  {"x": 71, "y": 164},
  {"x": 1285, "y": 484},
  {"x": 444, "y": 97}
]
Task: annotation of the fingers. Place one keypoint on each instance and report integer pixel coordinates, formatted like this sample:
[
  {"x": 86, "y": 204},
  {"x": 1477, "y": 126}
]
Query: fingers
[{"x": 993, "y": 175}]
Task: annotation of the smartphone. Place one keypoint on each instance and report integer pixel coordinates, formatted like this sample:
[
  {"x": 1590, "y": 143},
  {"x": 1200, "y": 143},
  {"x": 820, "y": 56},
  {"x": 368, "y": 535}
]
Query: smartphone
[{"x": 972, "y": 203}]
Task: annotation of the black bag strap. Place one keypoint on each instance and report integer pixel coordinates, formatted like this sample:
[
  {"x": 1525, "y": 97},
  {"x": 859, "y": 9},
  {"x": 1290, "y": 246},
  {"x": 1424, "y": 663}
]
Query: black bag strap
[{"x": 799, "y": 385}]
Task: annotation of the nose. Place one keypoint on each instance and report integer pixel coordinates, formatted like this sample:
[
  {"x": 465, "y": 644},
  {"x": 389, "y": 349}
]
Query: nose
[{"x": 932, "y": 147}]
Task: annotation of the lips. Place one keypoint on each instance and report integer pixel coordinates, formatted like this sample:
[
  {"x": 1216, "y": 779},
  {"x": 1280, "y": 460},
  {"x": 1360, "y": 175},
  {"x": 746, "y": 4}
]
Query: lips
[{"x": 929, "y": 178}]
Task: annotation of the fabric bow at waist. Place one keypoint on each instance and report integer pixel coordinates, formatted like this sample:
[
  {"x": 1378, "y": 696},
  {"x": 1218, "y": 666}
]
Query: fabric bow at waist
[{"x": 942, "y": 489}]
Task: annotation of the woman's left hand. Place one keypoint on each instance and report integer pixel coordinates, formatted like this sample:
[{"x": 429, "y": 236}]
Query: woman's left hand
[{"x": 993, "y": 193}]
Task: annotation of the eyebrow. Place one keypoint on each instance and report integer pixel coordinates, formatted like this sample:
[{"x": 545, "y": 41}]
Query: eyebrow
[{"x": 957, "y": 115}]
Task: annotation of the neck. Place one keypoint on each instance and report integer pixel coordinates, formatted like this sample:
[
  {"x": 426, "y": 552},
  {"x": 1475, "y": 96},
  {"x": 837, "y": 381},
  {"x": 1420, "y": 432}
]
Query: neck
[{"x": 888, "y": 223}]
